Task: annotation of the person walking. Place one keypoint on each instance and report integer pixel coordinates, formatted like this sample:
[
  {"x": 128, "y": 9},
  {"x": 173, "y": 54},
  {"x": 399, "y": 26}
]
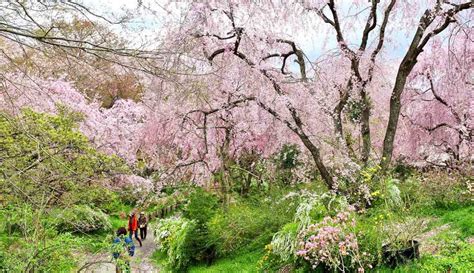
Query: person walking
[
  {"x": 123, "y": 249},
  {"x": 142, "y": 224},
  {"x": 133, "y": 227}
]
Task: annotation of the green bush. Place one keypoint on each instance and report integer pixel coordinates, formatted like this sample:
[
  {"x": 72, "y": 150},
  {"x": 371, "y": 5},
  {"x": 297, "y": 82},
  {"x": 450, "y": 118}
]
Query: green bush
[
  {"x": 98, "y": 196},
  {"x": 287, "y": 157},
  {"x": 17, "y": 219},
  {"x": 81, "y": 219},
  {"x": 68, "y": 165},
  {"x": 286, "y": 161},
  {"x": 48, "y": 255},
  {"x": 245, "y": 225},
  {"x": 173, "y": 237},
  {"x": 201, "y": 206}
]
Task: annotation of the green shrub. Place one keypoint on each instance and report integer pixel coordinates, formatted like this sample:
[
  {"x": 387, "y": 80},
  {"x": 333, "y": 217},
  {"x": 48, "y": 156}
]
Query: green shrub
[
  {"x": 17, "y": 219},
  {"x": 47, "y": 255},
  {"x": 286, "y": 161},
  {"x": 173, "y": 237},
  {"x": 81, "y": 219},
  {"x": 98, "y": 196},
  {"x": 201, "y": 206},
  {"x": 70, "y": 167},
  {"x": 245, "y": 225},
  {"x": 436, "y": 189},
  {"x": 287, "y": 157},
  {"x": 129, "y": 196}
]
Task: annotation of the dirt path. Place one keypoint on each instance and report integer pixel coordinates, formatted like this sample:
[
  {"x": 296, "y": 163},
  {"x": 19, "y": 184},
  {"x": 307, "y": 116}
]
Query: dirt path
[{"x": 141, "y": 262}]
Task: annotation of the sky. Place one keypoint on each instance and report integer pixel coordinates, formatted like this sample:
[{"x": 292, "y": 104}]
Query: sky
[
  {"x": 147, "y": 25},
  {"x": 315, "y": 40}
]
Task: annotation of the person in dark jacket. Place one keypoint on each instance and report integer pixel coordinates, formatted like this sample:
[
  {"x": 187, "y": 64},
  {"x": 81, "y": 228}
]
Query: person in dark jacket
[
  {"x": 142, "y": 224},
  {"x": 133, "y": 227},
  {"x": 121, "y": 246}
]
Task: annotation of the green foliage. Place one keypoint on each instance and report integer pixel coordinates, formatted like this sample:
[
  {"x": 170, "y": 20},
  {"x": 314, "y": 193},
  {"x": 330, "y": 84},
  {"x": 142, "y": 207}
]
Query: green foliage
[
  {"x": 81, "y": 219},
  {"x": 370, "y": 237},
  {"x": 118, "y": 222},
  {"x": 31, "y": 242},
  {"x": 461, "y": 261},
  {"x": 435, "y": 189},
  {"x": 51, "y": 255},
  {"x": 173, "y": 237},
  {"x": 447, "y": 190},
  {"x": 311, "y": 207},
  {"x": 50, "y": 185},
  {"x": 412, "y": 195},
  {"x": 248, "y": 223},
  {"x": 96, "y": 196},
  {"x": 45, "y": 158},
  {"x": 247, "y": 172},
  {"x": 403, "y": 171},
  {"x": 17, "y": 219},
  {"x": 358, "y": 189},
  {"x": 129, "y": 196},
  {"x": 387, "y": 193},
  {"x": 287, "y": 158},
  {"x": 286, "y": 161},
  {"x": 201, "y": 206}
]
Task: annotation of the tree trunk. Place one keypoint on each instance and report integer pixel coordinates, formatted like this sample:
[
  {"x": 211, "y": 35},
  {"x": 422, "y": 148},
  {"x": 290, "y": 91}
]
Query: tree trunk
[
  {"x": 337, "y": 118},
  {"x": 365, "y": 128},
  {"x": 406, "y": 66},
  {"x": 394, "y": 114},
  {"x": 317, "y": 159}
]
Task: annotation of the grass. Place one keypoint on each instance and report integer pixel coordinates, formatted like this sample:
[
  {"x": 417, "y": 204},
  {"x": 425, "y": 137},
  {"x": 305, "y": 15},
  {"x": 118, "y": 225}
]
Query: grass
[
  {"x": 239, "y": 263},
  {"x": 462, "y": 219}
]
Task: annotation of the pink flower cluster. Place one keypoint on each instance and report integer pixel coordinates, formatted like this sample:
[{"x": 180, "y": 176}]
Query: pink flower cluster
[{"x": 332, "y": 242}]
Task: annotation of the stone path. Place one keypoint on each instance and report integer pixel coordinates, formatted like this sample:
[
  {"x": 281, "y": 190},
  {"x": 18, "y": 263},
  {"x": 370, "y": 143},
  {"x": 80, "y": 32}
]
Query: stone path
[{"x": 141, "y": 262}]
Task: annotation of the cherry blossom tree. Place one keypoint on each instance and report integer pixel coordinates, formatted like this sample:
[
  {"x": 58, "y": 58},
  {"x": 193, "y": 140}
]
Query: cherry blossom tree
[
  {"x": 437, "y": 112},
  {"x": 433, "y": 22},
  {"x": 230, "y": 77},
  {"x": 226, "y": 33}
]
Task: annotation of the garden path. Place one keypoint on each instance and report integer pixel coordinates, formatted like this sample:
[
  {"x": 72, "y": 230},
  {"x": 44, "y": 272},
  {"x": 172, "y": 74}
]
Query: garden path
[{"x": 141, "y": 262}]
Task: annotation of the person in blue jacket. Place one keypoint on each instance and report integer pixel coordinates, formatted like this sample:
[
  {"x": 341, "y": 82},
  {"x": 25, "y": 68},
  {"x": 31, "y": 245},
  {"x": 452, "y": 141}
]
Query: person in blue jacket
[{"x": 122, "y": 249}]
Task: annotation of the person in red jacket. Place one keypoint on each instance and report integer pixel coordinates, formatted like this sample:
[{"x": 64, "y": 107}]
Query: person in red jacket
[{"x": 133, "y": 227}]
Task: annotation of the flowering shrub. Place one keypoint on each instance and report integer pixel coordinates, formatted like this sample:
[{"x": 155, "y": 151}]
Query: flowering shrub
[
  {"x": 282, "y": 251},
  {"x": 333, "y": 243}
]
